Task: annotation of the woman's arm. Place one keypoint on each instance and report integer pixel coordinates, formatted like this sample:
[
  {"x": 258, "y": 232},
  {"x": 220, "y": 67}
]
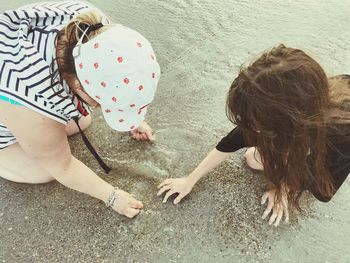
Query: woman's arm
[{"x": 46, "y": 142}]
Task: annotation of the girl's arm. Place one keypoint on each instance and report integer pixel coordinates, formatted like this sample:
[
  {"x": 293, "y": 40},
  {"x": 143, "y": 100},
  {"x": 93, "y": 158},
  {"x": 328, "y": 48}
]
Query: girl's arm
[
  {"x": 213, "y": 160},
  {"x": 46, "y": 142},
  {"x": 183, "y": 186},
  {"x": 230, "y": 143}
]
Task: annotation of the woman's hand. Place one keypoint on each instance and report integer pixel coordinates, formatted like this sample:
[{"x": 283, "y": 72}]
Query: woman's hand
[
  {"x": 278, "y": 209},
  {"x": 126, "y": 204},
  {"x": 143, "y": 133},
  {"x": 181, "y": 186}
]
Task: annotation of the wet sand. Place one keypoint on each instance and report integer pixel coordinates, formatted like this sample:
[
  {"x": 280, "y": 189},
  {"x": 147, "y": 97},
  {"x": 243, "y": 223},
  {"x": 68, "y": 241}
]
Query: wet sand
[{"x": 200, "y": 46}]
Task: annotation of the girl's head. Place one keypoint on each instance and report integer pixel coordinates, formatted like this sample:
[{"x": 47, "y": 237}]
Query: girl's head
[
  {"x": 80, "y": 23},
  {"x": 281, "y": 103},
  {"x": 67, "y": 40},
  {"x": 110, "y": 65},
  {"x": 282, "y": 92}
]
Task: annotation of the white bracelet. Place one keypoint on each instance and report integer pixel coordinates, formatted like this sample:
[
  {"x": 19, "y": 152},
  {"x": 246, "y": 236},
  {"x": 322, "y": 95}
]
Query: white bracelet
[{"x": 112, "y": 198}]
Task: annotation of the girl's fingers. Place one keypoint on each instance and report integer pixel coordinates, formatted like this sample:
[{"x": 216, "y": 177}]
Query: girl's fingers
[
  {"x": 286, "y": 214},
  {"x": 136, "y": 136},
  {"x": 268, "y": 210},
  {"x": 163, "y": 189},
  {"x": 149, "y": 135},
  {"x": 139, "y": 136},
  {"x": 140, "y": 205},
  {"x": 166, "y": 181},
  {"x": 168, "y": 194},
  {"x": 132, "y": 212},
  {"x": 279, "y": 217},
  {"x": 178, "y": 198},
  {"x": 273, "y": 217},
  {"x": 285, "y": 201},
  {"x": 264, "y": 198},
  {"x": 142, "y": 137},
  {"x": 136, "y": 204}
]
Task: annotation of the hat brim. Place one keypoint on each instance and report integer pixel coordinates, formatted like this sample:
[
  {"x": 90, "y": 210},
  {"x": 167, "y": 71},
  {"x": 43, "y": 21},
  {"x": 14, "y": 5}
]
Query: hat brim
[{"x": 123, "y": 120}]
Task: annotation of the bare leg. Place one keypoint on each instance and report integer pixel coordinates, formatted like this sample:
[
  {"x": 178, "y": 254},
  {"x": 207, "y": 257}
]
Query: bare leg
[
  {"x": 17, "y": 166},
  {"x": 20, "y": 167},
  {"x": 253, "y": 159}
]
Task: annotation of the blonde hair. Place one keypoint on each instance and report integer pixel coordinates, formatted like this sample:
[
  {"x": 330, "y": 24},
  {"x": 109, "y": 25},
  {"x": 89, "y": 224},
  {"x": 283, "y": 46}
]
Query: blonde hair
[{"x": 77, "y": 26}]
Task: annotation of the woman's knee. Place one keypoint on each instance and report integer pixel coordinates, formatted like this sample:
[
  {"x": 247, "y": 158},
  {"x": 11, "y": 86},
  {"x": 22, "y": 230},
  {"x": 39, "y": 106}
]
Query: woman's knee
[{"x": 253, "y": 159}]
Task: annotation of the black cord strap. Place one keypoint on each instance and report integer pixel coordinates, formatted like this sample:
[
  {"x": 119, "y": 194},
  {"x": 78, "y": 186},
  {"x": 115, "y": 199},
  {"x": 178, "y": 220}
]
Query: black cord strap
[{"x": 104, "y": 166}]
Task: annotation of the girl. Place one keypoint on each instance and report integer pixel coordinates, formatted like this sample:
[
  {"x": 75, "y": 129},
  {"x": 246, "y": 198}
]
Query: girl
[
  {"x": 58, "y": 59},
  {"x": 297, "y": 126}
]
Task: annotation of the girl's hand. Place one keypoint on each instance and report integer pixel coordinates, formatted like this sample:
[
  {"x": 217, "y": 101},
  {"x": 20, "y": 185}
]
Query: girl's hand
[
  {"x": 182, "y": 186},
  {"x": 278, "y": 209},
  {"x": 126, "y": 204},
  {"x": 143, "y": 133}
]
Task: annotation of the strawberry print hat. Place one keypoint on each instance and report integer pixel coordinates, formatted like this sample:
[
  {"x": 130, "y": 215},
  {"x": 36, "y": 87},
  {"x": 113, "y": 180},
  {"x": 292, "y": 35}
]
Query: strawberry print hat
[{"x": 118, "y": 69}]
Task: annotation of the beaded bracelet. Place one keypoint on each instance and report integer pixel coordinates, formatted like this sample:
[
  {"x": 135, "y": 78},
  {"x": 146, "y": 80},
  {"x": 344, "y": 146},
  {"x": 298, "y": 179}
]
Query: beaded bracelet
[{"x": 112, "y": 198}]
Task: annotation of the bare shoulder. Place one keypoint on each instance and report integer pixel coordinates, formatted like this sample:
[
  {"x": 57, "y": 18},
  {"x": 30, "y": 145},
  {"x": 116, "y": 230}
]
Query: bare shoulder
[{"x": 37, "y": 134}]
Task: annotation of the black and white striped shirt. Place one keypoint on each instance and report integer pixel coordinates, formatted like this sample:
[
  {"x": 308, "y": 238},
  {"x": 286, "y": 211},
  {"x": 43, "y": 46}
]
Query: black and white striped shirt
[{"x": 27, "y": 49}]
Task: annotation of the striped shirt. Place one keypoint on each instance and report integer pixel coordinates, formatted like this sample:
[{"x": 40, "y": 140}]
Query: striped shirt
[{"x": 27, "y": 50}]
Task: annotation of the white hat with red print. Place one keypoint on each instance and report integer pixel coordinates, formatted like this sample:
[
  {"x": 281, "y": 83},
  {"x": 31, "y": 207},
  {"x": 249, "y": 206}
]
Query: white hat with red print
[{"x": 118, "y": 69}]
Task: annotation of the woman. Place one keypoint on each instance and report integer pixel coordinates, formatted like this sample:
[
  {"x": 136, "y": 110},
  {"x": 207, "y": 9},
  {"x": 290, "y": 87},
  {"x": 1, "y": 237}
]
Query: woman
[
  {"x": 296, "y": 123},
  {"x": 57, "y": 60}
]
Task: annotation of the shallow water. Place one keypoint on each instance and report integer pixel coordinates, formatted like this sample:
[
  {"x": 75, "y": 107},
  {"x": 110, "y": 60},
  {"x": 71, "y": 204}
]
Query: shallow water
[{"x": 200, "y": 46}]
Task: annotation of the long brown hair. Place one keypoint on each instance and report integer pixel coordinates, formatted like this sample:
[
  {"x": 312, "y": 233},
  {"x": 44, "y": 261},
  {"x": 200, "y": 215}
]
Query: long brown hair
[
  {"x": 67, "y": 39},
  {"x": 283, "y": 103}
]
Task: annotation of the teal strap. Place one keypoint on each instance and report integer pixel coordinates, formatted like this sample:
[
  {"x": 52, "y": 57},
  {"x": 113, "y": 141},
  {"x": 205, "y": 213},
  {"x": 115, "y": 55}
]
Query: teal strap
[{"x": 13, "y": 102}]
